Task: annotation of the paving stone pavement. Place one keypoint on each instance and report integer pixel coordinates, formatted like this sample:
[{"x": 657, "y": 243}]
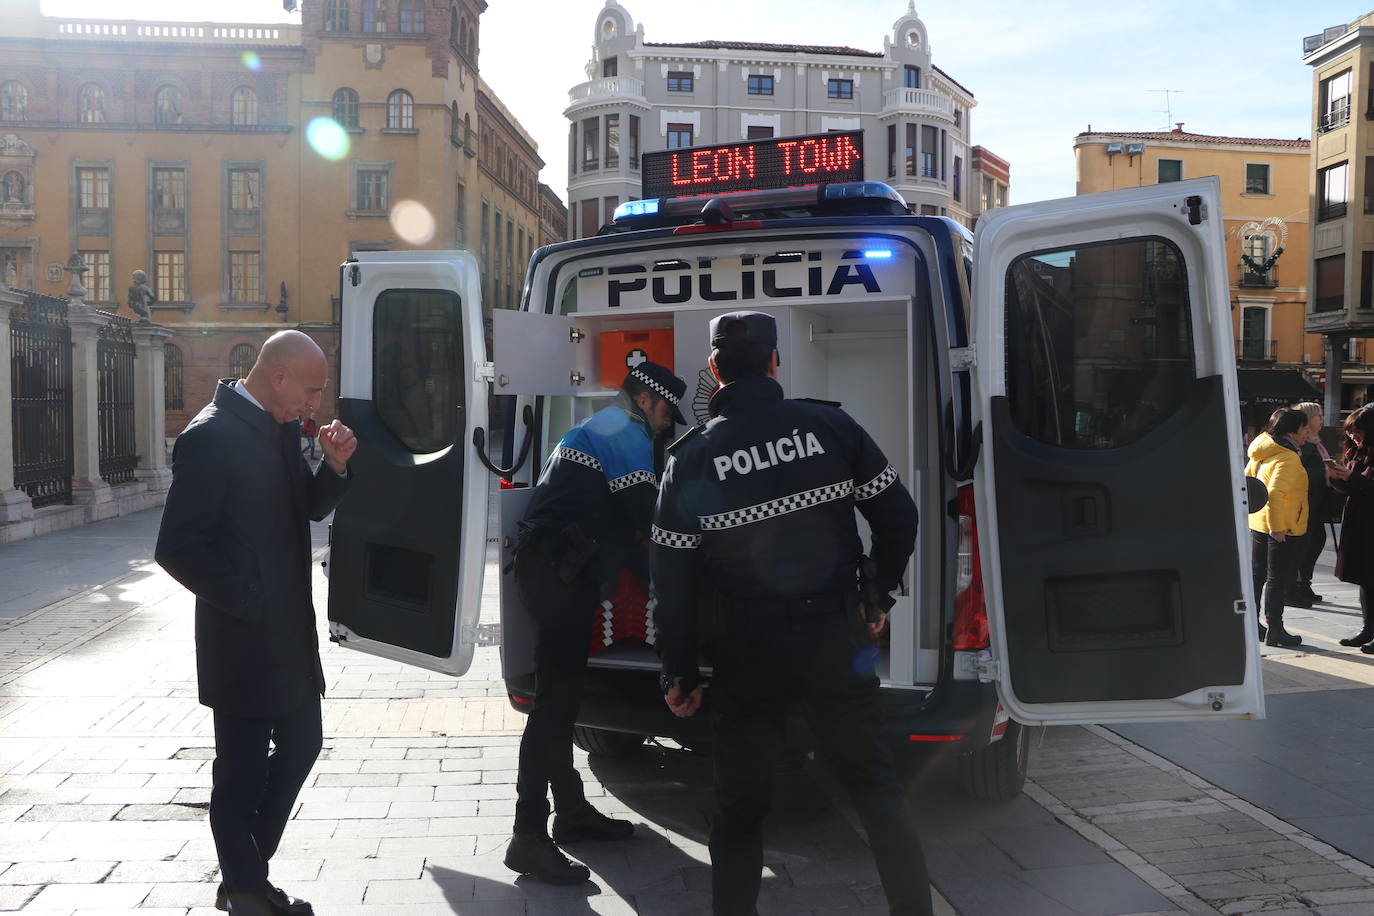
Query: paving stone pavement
[{"x": 105, "y": 776}]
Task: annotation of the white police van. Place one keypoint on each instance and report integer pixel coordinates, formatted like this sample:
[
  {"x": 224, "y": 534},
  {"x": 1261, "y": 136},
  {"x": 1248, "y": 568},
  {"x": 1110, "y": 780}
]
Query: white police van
[{"x": 1057, "y": 391}]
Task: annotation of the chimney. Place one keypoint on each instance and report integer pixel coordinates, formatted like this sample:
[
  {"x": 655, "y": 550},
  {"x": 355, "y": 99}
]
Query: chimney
[{"x": 1178, "y": 127}]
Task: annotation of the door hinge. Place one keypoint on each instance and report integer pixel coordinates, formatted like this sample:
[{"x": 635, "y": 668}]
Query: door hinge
[
  {"x": 963, "y": 358},
  {"x": 1217, "y": 701},
  {"x": 484, "y": 634},
  {"x": 1240, "y": 607},
  {"x": 484, "y": 372},
  {"x": 576, "y": 378},
  {"x": 1197, "y": 212},
  {"x": 576, "y": 335}
]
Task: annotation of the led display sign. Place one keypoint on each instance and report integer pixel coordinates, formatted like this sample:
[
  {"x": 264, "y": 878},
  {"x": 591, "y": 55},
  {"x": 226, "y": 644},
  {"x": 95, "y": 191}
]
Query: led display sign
[{"x": 773, "y": 163}]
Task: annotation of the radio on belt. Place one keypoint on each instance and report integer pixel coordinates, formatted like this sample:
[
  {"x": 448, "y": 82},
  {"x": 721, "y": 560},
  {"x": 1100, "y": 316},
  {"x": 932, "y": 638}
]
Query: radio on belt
[{"x": 621, "y": 351}]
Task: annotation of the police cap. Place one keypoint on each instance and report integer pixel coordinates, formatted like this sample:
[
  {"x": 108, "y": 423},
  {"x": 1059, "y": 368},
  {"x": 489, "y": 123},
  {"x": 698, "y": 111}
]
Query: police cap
[
  {"x": 661, "y": 381},
  {"x": 744, "y": 327}
]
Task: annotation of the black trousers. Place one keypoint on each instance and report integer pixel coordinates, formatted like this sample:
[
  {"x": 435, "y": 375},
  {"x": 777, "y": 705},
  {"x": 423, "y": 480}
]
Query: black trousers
[
  {"x": 564, "y": 614},
  {"x": 762, "y": 667},
  {"x": 1273, "y": 563},
  {"x": 1313, "y": 543},
  {"x": 260, "y": 766}
]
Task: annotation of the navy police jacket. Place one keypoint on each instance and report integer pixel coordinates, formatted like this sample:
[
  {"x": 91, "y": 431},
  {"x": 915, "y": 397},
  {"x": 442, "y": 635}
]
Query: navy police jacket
[
  {"x": 601, "y": 478},
  {"x": 760, "y": 503}
]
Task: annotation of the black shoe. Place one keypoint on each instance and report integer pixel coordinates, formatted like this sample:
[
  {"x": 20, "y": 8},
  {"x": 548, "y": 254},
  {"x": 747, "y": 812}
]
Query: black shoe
[
  {"x": 1367, "y": 648},
  {"x": 587, "y": 823},
  {"x": 279, "y": 901},
  {"x": 538, "y": 857},
  {"x": 1360, "y": 638},
  {"x": 1279, "y": 637}
]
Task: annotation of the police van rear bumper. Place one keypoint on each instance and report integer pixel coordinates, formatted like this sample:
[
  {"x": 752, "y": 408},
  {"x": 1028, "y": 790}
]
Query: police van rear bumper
[{"x": 957, "y": 715}]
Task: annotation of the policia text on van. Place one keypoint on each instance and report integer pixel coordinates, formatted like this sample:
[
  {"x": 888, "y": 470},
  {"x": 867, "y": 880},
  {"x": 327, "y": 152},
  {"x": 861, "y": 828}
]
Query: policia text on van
[{"x": 1025, "y": 382}]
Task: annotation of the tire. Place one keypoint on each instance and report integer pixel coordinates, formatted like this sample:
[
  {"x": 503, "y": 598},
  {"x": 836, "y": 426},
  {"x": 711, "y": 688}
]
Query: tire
[
  {"x": 998, "y": 771},
  {"x": 606, "y": 743}
]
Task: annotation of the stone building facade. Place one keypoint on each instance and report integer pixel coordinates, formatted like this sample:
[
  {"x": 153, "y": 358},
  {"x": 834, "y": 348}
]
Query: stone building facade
[
  {"x": 240, "y": 165},
  {"x": 641, "y": 96}
]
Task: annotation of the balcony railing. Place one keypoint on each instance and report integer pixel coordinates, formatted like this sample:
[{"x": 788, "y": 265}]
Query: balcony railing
[
  {"x": 215, "y": 33},
  {"x": 1256, "y": 351},
  {"x": 1331, "y": 211},
  {"x": 1256, "y": 280},
  {"x": 607, "y": 87},
  {"x": 1338, "y": 116},
  {"x": 926, "y": 101}
]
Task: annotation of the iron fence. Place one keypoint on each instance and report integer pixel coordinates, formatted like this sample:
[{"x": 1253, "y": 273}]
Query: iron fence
[
  {"x": 41, "y": 382},
  {"x": 115, "y": 400}
]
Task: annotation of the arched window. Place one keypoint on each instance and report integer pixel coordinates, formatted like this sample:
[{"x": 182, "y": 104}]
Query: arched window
[
  {"x": 346, "y": 107},
  {"x": 243, "y": 107},
  {"x": 14, "y": 101},
  {"x": 90, "y": 103},
  {"x": 453, "y": 26},
  {"x": 400, "y": 110},
  {"x": 374, "y": 20},
  {"x": 241, "y": 359},
  {"x": 168, "y": 105},
  {"x": 173, "y": 378},
  {"x": 336, "y": 16},
  {"x": 412, "y": 16},
  {"x": 463, "y": 35}
]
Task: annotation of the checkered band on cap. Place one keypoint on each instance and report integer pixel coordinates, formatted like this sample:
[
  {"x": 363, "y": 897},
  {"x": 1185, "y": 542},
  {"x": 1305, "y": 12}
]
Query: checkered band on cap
[
  {"x": 804, "y": 500},
  {"x": 631, "y": 479},
  {"x": 655, "y": 386},
  {"x": 572, "y": 454},
  {"x": 665, "y": 538},
  {"x": 877, "y": 485}
]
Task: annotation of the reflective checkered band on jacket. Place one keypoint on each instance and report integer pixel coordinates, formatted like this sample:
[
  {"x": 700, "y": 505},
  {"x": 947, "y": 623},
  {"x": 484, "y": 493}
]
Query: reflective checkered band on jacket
[
  {"x": 572, "y": 454},
  {"x": 662, "y": 392},
  {"x": 803, "y": 500},
  {"x": 665, "y": 538},
  {"x": 877, "y": 484},
  {"x": 631, "y": 479}
]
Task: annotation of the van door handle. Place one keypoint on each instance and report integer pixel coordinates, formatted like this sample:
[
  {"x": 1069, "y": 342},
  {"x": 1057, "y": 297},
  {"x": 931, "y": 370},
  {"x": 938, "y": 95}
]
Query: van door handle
[
  {"x": 1085, "y": 513},
  {"x": 479, "y": 442}
]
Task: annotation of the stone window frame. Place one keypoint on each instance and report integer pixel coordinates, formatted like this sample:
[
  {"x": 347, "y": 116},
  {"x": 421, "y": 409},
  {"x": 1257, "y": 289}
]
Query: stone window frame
[
  {"x": 91, "y": 279},
  {"x": 168, "y": 96},
  {"x": 356, "y": 169},
  {"x": 416, "y": 19},
  {"x": 91, "y": 222},
  {"x": 400, "y": 110},
  {"x": 30, "y": 245},
  {"x": 164, "y": 294},
  {"x": 345, "y": 101},
  {"x": 87, "y": 90},
  {"x": 236, "y": 260},
  {"x": 243, "y": 107},
  {"x": 12, "y": 107}
]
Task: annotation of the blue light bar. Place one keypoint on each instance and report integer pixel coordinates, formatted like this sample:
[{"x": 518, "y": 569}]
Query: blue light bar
[
  {"x": 877, "y": 253},
  {"x": 632, "y": 208},
  {"x": 852, "y": 189}
]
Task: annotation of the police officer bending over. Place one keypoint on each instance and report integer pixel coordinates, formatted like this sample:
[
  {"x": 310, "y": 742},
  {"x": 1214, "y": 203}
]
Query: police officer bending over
[
  {"x": 758, "y": 505},
  {"x": 588, "y": 518}
]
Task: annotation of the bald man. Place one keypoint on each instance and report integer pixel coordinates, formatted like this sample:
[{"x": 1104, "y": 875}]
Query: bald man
[{"x": 235, "y": 531}]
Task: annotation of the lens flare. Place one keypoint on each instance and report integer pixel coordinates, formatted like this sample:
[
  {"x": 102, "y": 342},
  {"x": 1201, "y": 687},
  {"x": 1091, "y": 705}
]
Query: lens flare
[
  {"x": 252, "y": 61},
  {"x": 413, "y": 222},
  {"x": 327, "y": 138}
]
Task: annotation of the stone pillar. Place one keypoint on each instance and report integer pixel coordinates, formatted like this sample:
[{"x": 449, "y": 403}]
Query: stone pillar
[
  {"x": 87, "y": 487},
  {"x": 15, "y": 505},
  {"x": 1335, "y": 347},
  {"x": 150, "y": 411}
]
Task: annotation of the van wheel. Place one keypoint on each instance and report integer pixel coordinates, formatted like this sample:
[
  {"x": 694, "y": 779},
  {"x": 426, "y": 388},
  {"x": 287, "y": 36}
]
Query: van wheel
[
  {"x": 604, "y": 742},
  {"x": 998, "y": 771}
]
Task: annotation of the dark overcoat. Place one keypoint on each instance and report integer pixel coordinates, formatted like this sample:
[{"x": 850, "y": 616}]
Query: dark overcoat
[
  {"x": 1355, "y": 556},
  {"x": 235, "y": 531}
]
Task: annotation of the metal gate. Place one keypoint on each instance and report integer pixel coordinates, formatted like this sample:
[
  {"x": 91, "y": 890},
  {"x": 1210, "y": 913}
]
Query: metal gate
[
  {"x": 41, "y": 380},
  {"x": 114, "y": 354}
]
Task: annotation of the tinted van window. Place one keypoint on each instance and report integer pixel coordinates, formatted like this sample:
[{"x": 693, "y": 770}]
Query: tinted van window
[
  {"x": 1099, "y": 342},
  {"x": 417, "y": 360}
]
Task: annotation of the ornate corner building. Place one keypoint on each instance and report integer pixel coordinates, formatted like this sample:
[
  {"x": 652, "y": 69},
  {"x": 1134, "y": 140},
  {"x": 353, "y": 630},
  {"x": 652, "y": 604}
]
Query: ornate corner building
[
  {"x": 642, "y": 96},
  {"x": 239, "y": 164}
]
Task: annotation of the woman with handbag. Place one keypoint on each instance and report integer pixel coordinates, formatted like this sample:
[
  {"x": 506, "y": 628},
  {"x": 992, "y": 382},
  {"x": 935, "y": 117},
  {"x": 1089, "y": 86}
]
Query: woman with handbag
[
  {"x": 1355, "y": 553},
  {"x": 1277, "y": 529}
]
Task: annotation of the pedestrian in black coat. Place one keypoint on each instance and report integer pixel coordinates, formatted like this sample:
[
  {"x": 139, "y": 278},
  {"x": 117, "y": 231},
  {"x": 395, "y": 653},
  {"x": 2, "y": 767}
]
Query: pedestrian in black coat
[
  {"x": 235, "y": 531},
  {"x": 1355, "y": 554},
  {"x": 1320, "y": 500}
]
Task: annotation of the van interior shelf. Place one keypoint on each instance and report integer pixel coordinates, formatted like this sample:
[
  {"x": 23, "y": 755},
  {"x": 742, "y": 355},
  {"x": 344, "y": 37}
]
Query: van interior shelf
[{"x": 824, "y": 336}]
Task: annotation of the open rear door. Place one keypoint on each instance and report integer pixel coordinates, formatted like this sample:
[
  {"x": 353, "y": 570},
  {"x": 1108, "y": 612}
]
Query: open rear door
[
  {"x": 1110, "y": 487},
  {"x": 407, "y": 544}
]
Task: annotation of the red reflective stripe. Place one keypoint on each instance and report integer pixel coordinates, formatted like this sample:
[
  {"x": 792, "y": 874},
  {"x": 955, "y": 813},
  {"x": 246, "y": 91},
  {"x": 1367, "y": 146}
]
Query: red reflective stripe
[
  {"x": 935, "y": 737},
  {"x": 521, "y": 700},
  {"x": 1000, "y": 728},
  {"x": 720, "y": 227}
]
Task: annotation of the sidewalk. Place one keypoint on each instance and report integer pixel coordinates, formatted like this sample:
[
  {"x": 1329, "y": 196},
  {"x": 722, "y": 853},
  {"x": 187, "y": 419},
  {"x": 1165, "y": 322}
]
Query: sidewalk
[{"x": 104, "y": 780}]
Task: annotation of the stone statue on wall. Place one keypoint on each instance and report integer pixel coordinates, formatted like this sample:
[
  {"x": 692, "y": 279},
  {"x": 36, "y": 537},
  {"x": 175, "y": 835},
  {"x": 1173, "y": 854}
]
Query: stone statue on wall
[
  {"x": 14, "y": 188},
  {"x": 141, "y": 296}
]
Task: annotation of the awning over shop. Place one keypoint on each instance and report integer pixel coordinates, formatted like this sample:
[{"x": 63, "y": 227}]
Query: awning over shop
[{"x": 1275, "y": 386}]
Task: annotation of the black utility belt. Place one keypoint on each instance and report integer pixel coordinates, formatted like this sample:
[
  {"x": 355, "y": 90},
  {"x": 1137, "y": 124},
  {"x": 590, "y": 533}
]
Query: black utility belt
[{"x": 816, "y": 605}]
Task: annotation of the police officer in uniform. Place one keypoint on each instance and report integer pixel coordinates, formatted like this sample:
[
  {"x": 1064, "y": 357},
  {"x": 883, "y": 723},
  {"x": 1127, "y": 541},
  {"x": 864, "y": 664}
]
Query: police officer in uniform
[
  {"x": 588, "y": 518},
  {"x": 758, "y": 507}
]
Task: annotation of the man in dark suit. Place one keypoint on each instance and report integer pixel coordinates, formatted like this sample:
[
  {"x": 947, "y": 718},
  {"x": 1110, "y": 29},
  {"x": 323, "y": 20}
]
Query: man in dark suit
[{"x": 235, "y": 531}]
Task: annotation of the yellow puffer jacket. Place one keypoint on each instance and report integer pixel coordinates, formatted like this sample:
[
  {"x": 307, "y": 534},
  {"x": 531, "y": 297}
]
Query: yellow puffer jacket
[{"x": 1280, "y": 469}]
